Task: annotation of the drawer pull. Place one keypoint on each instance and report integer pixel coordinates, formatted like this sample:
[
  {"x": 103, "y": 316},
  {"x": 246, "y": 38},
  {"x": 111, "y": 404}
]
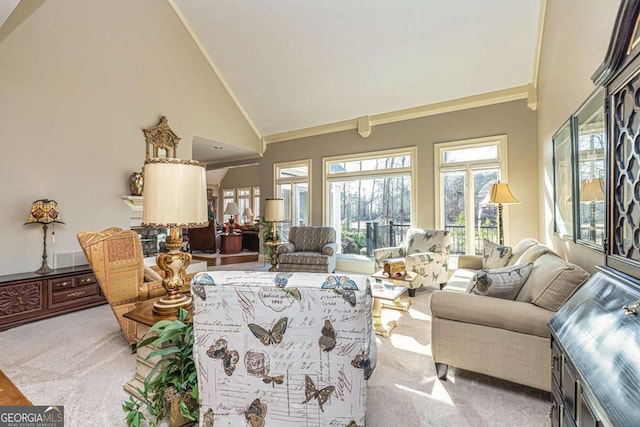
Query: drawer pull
[
  {"x": 86, "y": 280},
  {"x": 64, "y": 284},
  {"x": 554, "y": 362},
  {"x": 632, "y": 309},
  {"x": 76, "y": 294}
]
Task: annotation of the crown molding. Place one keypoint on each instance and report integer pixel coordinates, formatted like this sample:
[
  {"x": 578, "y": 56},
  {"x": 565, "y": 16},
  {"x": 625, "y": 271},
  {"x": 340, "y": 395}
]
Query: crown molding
[
  {"x": 482, "y": 100},
  {"x": 213, "y": 66}
]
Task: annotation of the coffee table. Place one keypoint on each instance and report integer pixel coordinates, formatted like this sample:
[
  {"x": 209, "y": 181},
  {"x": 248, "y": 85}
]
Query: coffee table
[
  {"x": 387, "y": 291},
  {"x": 406, "y": 279}
]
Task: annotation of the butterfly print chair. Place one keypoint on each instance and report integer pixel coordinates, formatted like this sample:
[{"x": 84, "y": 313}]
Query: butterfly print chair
[
  {"x": 424, "y": 252},
  {"x": 310, "y": 249},
  {"x": 282, "y": 349}
]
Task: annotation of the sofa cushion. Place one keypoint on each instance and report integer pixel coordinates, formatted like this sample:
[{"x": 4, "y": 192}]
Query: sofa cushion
[
  {"x": 551, "y": 282},
  {"x": 459, "y": 280},
  {"x": 533, "y": 253},
  {"x": 493, "y": 312},
  {"x": 521, "y": 248},
  {"x": 503, "y": 282},
  {"x": 494, "y": 255}
]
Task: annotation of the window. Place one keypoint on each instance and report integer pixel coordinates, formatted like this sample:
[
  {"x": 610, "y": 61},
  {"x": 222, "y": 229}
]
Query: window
[
  {"x": 244, "y": 201},
  {"x": 367, "y": 189},
  {"x": 465, "y": 171},
  {"x": 292, "y": 181}
]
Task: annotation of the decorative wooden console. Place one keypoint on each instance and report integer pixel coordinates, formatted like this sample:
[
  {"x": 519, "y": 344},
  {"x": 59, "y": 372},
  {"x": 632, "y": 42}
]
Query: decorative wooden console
[{"x": 26, "y": 297}]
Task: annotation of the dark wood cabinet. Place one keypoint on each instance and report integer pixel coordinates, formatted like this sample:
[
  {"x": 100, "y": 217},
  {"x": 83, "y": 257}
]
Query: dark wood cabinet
[
  {"x": 27, "y": 297},
  {"x": 230, "y": 243},
  {"x": 596, "y": 354}
]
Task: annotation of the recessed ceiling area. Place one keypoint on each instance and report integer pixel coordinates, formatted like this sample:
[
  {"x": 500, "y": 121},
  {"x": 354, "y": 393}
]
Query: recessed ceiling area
[
  {"x": 293, "y": 64},
  {"x": 213, "y": 152}
]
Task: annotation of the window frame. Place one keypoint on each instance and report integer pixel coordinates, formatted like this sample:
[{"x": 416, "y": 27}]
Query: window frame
[{"x": 500, "y": 163}]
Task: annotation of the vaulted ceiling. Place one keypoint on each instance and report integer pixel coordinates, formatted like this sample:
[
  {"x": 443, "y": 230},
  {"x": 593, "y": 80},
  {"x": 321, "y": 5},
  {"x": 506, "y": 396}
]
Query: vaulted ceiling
[
  {"x": 291, "y": 65},
  {"x": 294, "y": 64}
]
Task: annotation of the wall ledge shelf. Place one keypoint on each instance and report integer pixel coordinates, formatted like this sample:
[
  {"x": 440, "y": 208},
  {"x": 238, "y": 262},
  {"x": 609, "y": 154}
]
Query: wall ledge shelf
[{"x": 134, "y": 202}]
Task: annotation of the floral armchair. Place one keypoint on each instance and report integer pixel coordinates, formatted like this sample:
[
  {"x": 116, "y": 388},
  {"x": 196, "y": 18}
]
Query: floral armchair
[
  {"x": 424, "y": 252},
  {"x": 311, "y": 249},
  {"x": 282, "y": 349}
]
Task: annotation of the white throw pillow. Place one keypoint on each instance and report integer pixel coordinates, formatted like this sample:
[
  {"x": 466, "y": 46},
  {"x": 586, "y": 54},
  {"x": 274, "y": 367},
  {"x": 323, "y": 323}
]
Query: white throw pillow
[
  {"x": 503, "y": 282},
  {"x": 494, "y": 255}
]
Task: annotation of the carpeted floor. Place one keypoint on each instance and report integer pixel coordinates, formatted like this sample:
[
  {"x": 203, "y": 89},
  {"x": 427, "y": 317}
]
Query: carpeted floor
[{"x": 81, "y": 360}]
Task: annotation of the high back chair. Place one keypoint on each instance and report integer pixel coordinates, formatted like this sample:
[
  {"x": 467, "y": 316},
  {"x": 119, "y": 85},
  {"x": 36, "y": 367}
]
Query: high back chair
[{"x": 117, "y": 260}]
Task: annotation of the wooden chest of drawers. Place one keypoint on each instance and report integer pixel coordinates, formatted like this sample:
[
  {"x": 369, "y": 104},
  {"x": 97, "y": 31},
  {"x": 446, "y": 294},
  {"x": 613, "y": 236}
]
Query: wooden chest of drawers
[{"x": 28, "y": 296}]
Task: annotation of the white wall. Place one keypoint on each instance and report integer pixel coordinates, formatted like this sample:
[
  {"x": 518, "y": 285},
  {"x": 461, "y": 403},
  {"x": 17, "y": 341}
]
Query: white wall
[
  {"x": 576, "y": 37},
  {"x": 79, "y": 80}
]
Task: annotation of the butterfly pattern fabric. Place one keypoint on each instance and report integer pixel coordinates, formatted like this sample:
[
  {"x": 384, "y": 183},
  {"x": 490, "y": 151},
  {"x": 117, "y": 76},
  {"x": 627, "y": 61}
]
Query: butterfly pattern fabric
[
  {"x": 229, "y": 357},
  {"x": 328, "y": 339},
  {"x": 279, "y": 379},
  {"x": 344, "y": 286},
  {"x": 314, "y": 351},
  {"x": 199, "y": 291},
  {"x": 255, "y": 413},
  {"x": 363, "y": 362},
  {"x": 281, "y": 283},
  {"x": 273, "y": 336},
  {"x": 311, "y": 392}
]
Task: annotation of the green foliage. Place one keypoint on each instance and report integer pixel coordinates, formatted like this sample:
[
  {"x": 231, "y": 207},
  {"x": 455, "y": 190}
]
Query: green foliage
[
  {"x": 359, "y": 237},
  {"x": 173, "y": 377}
]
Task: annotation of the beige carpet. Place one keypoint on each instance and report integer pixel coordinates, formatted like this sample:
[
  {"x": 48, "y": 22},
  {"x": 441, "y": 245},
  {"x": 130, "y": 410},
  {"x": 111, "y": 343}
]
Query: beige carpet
[{"x": 81, "y": 360}]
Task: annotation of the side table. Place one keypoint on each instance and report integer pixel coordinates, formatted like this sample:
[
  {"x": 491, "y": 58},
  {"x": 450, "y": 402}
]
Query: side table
[
  {"x": 384, "y": 291},
  {"x": 145, "y": 317},
  {"x": 230, "y": 243}
]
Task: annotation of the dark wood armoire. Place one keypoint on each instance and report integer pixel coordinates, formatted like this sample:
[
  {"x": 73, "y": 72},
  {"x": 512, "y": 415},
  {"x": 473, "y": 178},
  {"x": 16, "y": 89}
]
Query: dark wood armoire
[{"x": 596, "y": 335}]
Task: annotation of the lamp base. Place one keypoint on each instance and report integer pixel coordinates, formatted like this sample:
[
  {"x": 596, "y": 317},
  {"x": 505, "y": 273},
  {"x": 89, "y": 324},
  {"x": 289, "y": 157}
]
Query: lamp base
[
  {"x": 44, "y": 269},
  {"x": 173, "y": 264},
  {"x": 166, "y": 306}
]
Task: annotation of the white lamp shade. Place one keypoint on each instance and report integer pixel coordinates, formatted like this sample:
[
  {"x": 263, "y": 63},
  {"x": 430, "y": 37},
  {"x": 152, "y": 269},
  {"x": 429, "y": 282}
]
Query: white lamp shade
[
  {"x": 248, "y": 212},
  {"x": 274, "y": 210},
  {"x": 175, "y": 193},
  {"x": 231, "y": 209}
]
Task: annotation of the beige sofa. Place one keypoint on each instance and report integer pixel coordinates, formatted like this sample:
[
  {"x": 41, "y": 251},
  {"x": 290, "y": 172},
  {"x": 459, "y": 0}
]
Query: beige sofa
[{"x": 499, "y": 337}]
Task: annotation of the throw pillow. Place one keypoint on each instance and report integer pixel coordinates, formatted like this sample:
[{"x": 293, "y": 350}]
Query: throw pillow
[
  {"x": 503, "y": 282},
  {"x": 150, "y": 275},
  {"x": 494, "y": 255}
]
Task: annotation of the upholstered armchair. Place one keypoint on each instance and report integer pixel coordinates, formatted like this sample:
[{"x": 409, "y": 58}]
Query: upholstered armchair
[
  {"x": 116, "y": 257},
  {"x": 311, "y": 249},
  {"x": 203, "y": 239},
  {"x": 424, "y": 252},
  {"x": 282, "y": 349}
]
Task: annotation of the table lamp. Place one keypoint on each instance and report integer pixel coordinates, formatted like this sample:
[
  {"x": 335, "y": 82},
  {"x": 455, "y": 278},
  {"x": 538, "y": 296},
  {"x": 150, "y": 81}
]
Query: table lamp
[
  {"x": 45, "y": 212},
  {"x": 500, "y": 194},
  {"x": 274, "y": 213},
  {"x": 232, "y": 211},
  {"x": 248, "y": 214},
  {"x": 592, "y": 191},
  {"x": 175, "y": 196}
]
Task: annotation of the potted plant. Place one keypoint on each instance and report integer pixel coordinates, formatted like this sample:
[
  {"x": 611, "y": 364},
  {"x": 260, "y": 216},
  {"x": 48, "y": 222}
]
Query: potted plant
[{"x": 171, "y": 388}]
